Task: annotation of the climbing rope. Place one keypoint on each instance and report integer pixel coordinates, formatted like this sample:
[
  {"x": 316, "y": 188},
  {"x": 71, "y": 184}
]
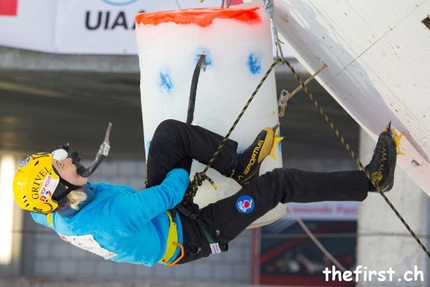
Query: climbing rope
[
  {"x": 197, "y": 181},
  {"x": 285, "y": 95},
  {"x": 315, "y": 240},
  {"x": 355, "y": 157},
  {"x": 198, "y": 178}
]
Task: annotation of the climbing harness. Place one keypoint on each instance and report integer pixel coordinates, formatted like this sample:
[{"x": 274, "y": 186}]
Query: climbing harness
[
  {"x": 172, "y": 242},
  {"x": 215, "y": 246}
]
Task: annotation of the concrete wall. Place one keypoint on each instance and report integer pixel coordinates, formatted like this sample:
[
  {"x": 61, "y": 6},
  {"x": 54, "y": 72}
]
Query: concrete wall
[{"x": 44, "y": 282}]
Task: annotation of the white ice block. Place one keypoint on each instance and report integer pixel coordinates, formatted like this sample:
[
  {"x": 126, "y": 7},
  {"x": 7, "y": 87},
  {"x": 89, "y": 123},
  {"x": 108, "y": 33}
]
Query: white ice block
[{"x": 238, "y": 47}]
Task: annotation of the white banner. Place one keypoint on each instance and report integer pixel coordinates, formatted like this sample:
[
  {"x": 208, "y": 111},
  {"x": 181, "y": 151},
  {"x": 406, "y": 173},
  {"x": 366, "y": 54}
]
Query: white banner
[
  {"x": 80, "y": 26},
  {"x": 326, "y": 210},
  {"x": 29, "y": 26}
]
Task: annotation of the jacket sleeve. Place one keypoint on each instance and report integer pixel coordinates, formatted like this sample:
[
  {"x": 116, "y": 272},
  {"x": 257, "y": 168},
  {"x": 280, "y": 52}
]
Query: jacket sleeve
[
  {"x": 41, "y": 219},
  {"x": 146, "y": 204}
]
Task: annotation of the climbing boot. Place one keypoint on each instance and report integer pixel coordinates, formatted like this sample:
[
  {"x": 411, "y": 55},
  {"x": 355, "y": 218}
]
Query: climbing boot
[
  {"x": 381, "y": 167},
  {"x": 250, "y": 160}
]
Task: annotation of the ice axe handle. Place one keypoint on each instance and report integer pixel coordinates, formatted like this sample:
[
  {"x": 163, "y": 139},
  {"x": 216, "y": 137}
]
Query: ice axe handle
[{"x": 101, "y": 154}]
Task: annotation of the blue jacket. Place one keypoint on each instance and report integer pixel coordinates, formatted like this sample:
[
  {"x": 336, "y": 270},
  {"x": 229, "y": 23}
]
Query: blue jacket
[{"x": 123, "y": 224}]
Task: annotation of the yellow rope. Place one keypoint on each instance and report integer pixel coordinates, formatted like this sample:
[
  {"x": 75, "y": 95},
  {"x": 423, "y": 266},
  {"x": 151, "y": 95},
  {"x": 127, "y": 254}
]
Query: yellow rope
[{"x": 192, "y": 188}]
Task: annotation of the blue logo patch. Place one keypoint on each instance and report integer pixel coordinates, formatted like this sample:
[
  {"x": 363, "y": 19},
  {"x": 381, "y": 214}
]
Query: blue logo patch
[
  {"x": 24, "y": 162},
  {"x": 245, "y": 204}
]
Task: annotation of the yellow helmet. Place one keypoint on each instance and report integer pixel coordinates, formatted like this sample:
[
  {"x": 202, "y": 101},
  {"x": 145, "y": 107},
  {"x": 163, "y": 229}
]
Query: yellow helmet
[{"x": 35, "y": 183}]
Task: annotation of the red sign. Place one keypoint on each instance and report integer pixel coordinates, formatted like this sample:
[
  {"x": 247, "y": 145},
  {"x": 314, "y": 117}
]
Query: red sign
[{"x": 8, "y": 7}]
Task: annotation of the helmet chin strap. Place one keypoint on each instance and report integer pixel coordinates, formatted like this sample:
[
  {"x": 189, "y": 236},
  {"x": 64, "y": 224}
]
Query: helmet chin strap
[{"x": 62, "y": 190}]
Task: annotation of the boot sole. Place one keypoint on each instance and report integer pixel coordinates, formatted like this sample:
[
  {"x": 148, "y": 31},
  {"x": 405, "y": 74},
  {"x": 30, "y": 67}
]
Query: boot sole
[{"x": 388, "y": 143}]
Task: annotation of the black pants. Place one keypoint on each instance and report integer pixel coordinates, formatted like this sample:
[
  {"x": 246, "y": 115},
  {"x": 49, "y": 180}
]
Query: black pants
[{"x": 175, "y": 144}]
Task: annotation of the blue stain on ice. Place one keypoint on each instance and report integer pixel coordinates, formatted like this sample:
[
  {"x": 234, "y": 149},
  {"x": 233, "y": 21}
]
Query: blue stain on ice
[
  {"x": 165, "y": 82},
  {"x": 254, "y": 63},
  {"x": 208, "y": 58}
]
